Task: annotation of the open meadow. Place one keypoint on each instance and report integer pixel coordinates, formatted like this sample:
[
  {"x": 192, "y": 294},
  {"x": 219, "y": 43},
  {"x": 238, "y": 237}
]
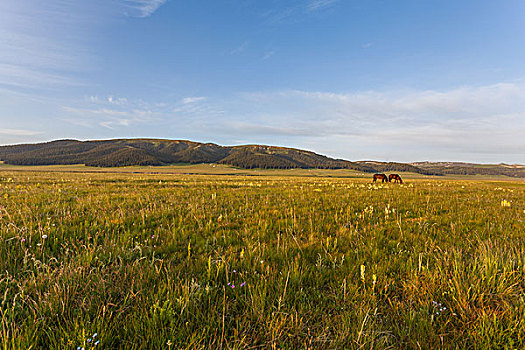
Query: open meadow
[{"x": 137, "y": 260}]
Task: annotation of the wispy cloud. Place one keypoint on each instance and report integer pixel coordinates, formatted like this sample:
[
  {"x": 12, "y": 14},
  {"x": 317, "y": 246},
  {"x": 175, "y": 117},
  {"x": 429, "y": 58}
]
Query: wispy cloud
[
  {"x": 111, "y": 112},
  {"x": 45, "y": 45},
  {"x": 45, "y": 55},
  {"x": 247, "y": 128},
  {"x": 144, "y": 8},
  {"x": 112, "y": 100},
  {"x": 239, "y": 49},
  {"x": 114, "y": 112},
  {"x": 268, "y": 54},
  {"x": 316, "y": 5},
  {"x": 194, "y": 99},
  {"x": 462, "y": 123},
  {"x": 193, "y": 109},
  {"x": 19, "y": 132},
  {"x": 297, "y": 10}
]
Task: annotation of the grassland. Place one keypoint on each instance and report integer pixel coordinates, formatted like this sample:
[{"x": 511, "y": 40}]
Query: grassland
[{"x": 177, "y": 261}]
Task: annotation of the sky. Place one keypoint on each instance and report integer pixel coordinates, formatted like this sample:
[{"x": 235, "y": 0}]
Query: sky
[{"x": 405, "y": 80}]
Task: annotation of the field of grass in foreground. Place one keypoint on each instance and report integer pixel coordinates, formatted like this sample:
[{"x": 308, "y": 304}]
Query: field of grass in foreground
[{"x": 187, "y": 262}]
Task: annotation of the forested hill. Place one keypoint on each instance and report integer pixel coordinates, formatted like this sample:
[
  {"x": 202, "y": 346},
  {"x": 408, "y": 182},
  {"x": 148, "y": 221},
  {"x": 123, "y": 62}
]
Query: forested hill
[{"x": 127, "y": 152}]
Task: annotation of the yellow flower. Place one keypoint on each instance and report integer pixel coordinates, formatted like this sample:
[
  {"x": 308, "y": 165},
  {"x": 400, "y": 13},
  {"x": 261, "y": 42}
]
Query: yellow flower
[
  {"x": 363, "y": 272},
  {"x": 505, "y": 203}
]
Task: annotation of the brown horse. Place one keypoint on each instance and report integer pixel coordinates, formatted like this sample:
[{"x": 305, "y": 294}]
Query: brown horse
[
  {"x": 381, "y": 177},
  {"x": 395, "y": 178}
]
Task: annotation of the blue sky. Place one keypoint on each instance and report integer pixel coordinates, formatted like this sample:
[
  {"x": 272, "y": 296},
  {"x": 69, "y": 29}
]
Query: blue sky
[{"x": 383, "y": 80}]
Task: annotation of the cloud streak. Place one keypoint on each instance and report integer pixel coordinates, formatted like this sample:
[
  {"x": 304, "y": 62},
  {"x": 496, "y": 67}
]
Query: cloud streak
[
  {"x": 462, "y": 123},
  {"x": 116, "y": 112},
  {"x": 194, "y": 99},
  {"x": 19, "y": 132},
  {"x": 469, "y": 123},
  {"x": 317, "y": 5},
  {"x": 298, "y": 10},
  {"x": 45, "y": 45},
  {"x": 144, "y": 8},
  {"x": 45, "y": 55}
]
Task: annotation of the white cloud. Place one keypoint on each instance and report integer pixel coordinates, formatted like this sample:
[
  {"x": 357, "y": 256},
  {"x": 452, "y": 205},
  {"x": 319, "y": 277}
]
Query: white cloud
[
  {"x": 258, "y": 129},
  {"x": 144, "y": 8},
  {"x": 119, "y": 112},
  {"x": 193, "y": 109},
  {"x": 297, "y": 11},
  {"x": 189, "y": 100},
  {"x": 462, "y": 123},
  {"x": 117, "y": 101},
  {"x": 19, "y": 132},
  {"x": 316, "y": 5},
  {"x": 112, "y": 112},
  {"x": 239, "y": 49},
  {"x": 470, "y": 123}
]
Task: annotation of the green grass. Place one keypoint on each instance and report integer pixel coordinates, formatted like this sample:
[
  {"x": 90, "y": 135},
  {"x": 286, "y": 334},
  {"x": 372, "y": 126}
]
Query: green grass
[{"x": 149, "y": 261}]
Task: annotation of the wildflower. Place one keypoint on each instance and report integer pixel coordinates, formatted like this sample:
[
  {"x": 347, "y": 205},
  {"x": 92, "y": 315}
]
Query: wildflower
[
  {"x": 95, "y": 335},
  {"x": 97, "y": 342},
  {"x": 89, "y": 340},
  {"x": 505, "y": 203},
  {"x": 44, "y": 236},
  {"x": 374, "y": 279},
  {"x": 153, "y": 237},
  {"x": 23, "y": 240},
  {"x": 363, "y": 272},
  {"x": 168, "y": 343},
  {"x": 242, "y": 284}
]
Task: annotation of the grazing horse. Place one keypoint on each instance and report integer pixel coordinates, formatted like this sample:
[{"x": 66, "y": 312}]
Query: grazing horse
[
  {"x": 381, "y": 177},
  {"x": 395, "y": 178}
]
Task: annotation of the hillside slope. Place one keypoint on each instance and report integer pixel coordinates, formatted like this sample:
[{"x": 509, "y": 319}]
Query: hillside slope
[
  {"x": 458, "y": 168},
  {"x": 128, "y": 152}
]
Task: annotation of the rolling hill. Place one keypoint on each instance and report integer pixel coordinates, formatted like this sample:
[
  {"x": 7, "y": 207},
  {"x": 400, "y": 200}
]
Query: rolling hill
[{"x": 128, "y": 152}]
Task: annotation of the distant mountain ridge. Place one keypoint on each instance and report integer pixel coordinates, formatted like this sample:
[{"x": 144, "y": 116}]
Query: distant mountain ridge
[
  {"x": 128, "y": 152},
  {"x": 461, "y": 168}
]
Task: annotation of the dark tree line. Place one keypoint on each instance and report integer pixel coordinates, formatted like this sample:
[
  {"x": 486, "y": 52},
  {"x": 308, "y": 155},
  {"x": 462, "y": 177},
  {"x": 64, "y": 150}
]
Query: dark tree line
[{"x": 127, "y": 152}]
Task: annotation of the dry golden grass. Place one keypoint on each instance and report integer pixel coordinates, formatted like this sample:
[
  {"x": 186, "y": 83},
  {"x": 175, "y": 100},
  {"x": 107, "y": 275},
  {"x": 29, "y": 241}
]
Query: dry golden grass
[{"x": 218, "y": 261}]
